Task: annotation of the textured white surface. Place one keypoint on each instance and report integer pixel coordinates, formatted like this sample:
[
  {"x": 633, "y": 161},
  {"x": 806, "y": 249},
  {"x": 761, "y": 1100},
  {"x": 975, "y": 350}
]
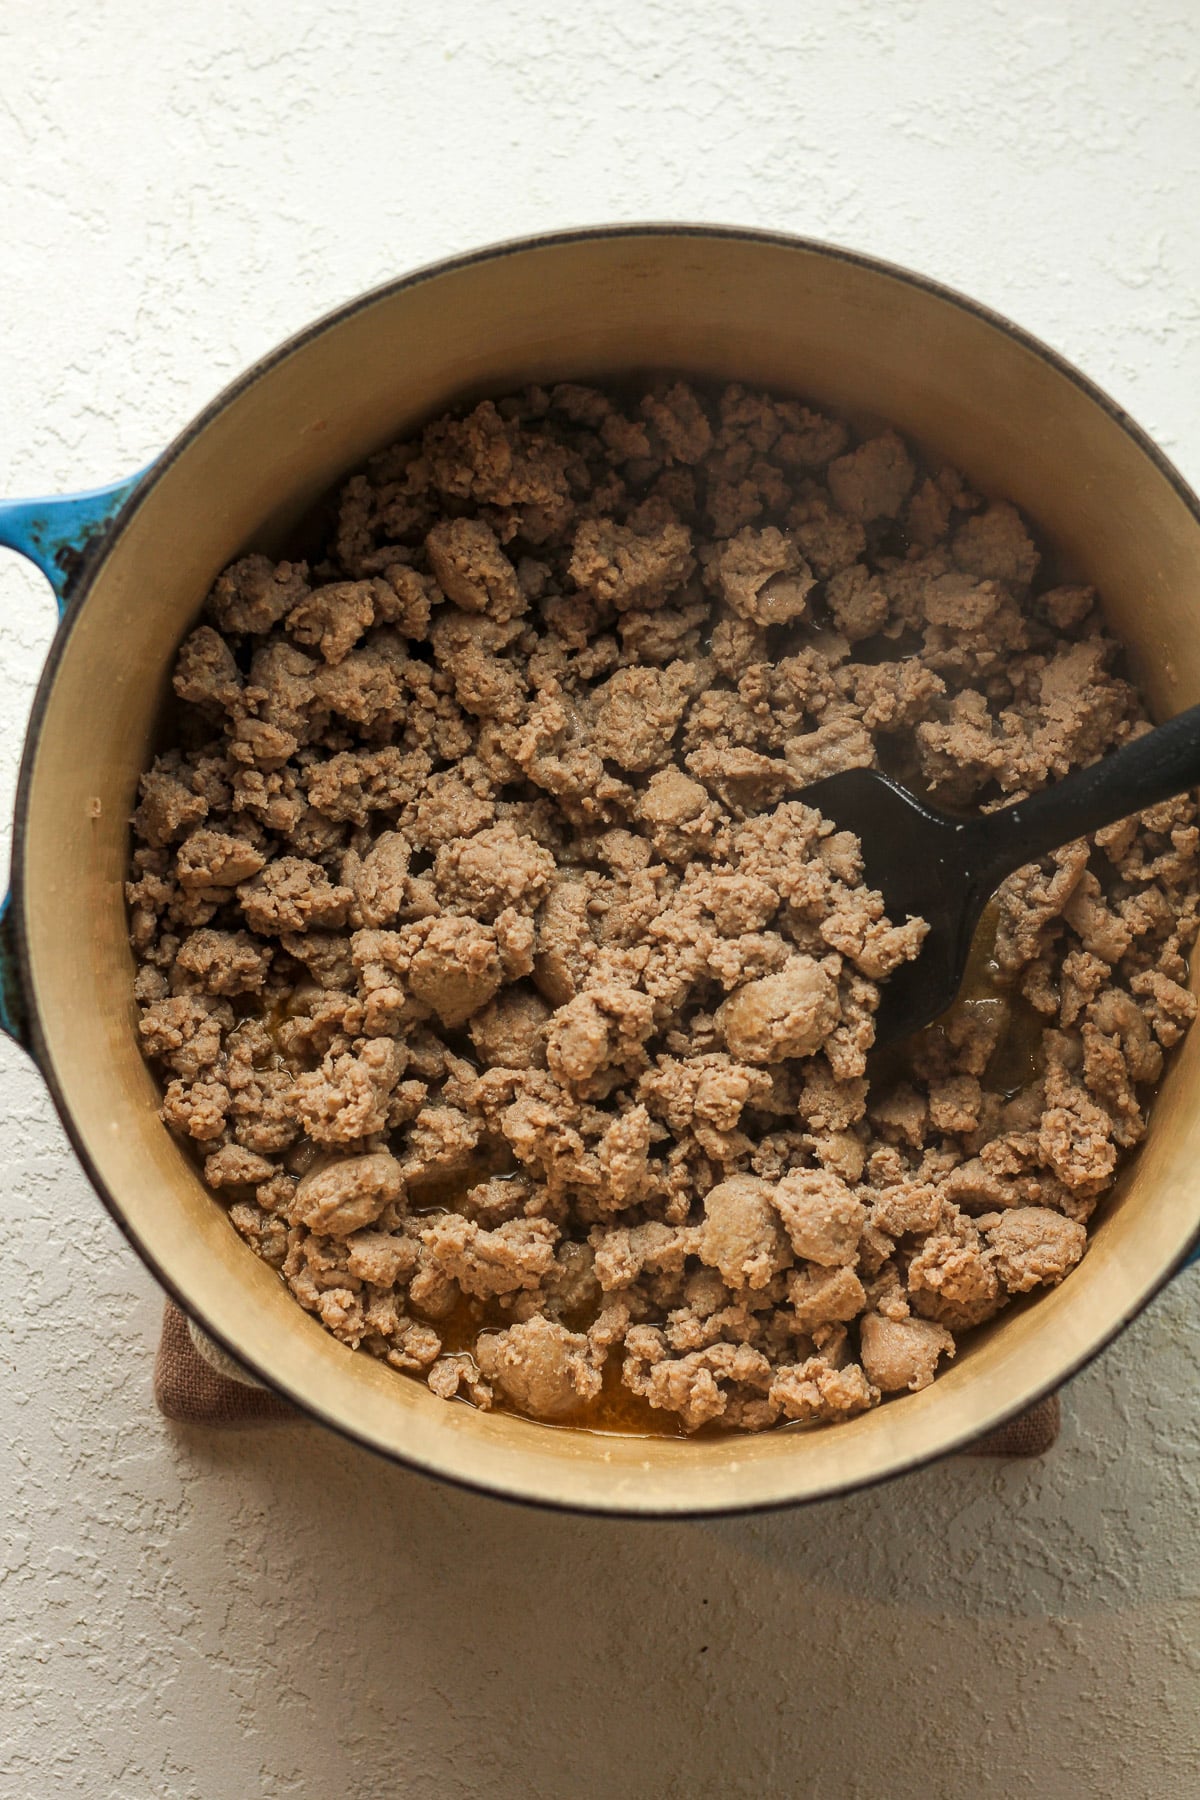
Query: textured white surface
[{"x": 221, "y": 1618}]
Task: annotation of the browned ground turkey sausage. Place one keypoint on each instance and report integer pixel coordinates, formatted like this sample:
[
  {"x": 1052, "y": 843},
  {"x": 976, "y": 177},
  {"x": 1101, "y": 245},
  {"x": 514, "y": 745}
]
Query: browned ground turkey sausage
[{"x": 516, "y": 1005}]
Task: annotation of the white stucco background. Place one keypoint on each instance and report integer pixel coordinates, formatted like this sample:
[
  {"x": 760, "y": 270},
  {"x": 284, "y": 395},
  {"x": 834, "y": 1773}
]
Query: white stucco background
[{"x": 218, "y": 1617}]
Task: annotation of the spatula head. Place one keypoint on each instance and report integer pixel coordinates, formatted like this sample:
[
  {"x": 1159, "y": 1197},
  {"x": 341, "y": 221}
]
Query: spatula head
[{"x": 920, "y": 861}]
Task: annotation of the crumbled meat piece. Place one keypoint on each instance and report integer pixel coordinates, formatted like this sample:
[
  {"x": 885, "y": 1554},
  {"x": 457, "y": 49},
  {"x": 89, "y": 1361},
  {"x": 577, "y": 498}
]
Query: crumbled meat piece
[
  {"x": 459, "y": 1370},
  {"x": 1067, "y": 607},
  {"x": 741, "y": 1234},
  {"x": 916, "y": 1206},
  {"x": 814, "y": 1392},
  {"x": 540, "y": 1367},
  {"x": 214, "y": 859},
  {"x": 412, "y": 1345},
  {"x": 624, "y": 1253},
  {"x": 995, "y": 544},
  {"x": 516, "y": 1009},
  {"x": 602, "y": 1028},
  {"x": 966, "y": 623},
  {"x": 224, "y": 962},
  {"x": 332, "y": 619},
  {"x": 820, "y": 1296},
  {"x": 490, "y": 460},
  {"x": 404, "y": 598},
  {"x": 839, "y": 744},
  {"x": 510, "y": 1031},
  {"x": 169, "y": 807},
  {"x": 827, "y": 539},
  {"x": 486, "y": 684},
  {"x": 705, "y": 1096},
  {"x": 185, "y": 1032},
  {"x": 893, "y": 696},
  {"x": 932, "y": 504},
  {"x": 902, "y": 1353},
  {"x": 1099, "y": 929},
  {"x": 860, "y": 606},
  {"x": 625, "y": 567},
  {"x": 206, "y": 674},
  {"x": 442, "y": 1142},
  {"x": 691, "y": 1385},
  {"x": 380, "y": 879},
  {"x": 266, "y": 1235},
  {"x": 382, "y": 1257},
  {"x": 457, "y": 969},
  {"x": 351, "y": 787},
  {"x": 872, "y": 482},
  {"x": 496, "y": 868},
  {"x": 1030, "y": 901},
  {"x": 623, "y": 1154},
  {"x": 954, "y": 1103},
  {"x": 790, "y": 1014},
  {"x": 347, "y": 1097},
  {"x": 1032, "y": 1246},
  {"x": 446, "y": 807},
  {"x": 951, "y": 1279},
  {"x": 196, "y": 1109},
  {"x": 763, "y": 577},
  {"x": 515, "y": 938},
  {"x": 565, "y": 944},
  {"x": 1119, "y": 1056},
  {"x": 343, "y": 1196},
  {"x": 1169, "y": 1007},
  {"x": 472, "y": 569},
  {"x": 231, "y": 1166},
  {"x": 293, "y": 894},
  {"x": 492, "y": 1202},
  {"x": 1074, "y": 1133},
  {"x": 517, "y": 1254},
  {"x": 677, "y": 813},
  {"x": 678, "y": 422},
  {"x": 255, "y": 593},
  {"x": 637, "y": 713},
  {"x": 821, "y": 1216}
]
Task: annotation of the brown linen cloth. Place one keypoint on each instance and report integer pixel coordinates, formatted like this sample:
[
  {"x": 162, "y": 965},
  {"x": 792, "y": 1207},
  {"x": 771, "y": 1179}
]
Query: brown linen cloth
[{"x": 190, "y": 1390}]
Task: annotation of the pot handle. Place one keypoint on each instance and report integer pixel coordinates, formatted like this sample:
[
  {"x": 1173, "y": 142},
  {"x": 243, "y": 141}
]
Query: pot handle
[{"x": 56, "y": 534}]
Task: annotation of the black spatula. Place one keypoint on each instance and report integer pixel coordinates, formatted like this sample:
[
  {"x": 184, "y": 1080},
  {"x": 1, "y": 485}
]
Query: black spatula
[{"x": 945, "y": 869}]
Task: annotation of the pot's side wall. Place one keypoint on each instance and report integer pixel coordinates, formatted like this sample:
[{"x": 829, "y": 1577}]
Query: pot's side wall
[{"x": 789, "y": 317}]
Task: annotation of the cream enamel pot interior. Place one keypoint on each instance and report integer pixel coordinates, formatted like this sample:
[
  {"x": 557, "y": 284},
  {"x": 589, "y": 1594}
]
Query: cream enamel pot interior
[{"x": 819, "y": 322}]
